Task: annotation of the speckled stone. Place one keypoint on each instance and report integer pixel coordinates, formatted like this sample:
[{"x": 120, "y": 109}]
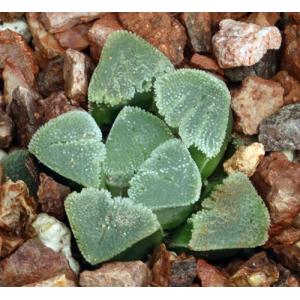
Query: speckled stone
[{"x": 281, "y": 131}]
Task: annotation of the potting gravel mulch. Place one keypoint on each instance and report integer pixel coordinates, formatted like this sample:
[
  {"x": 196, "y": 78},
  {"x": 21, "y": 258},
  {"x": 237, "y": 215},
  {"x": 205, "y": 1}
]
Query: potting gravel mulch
[{"x": 58, "y": 228}]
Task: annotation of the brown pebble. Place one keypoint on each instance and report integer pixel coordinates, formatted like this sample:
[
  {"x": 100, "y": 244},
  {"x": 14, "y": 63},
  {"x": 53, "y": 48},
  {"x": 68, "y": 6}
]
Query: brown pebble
[
  {"x": 6, "y": 130},
  {"x": 206, "y": 63}
]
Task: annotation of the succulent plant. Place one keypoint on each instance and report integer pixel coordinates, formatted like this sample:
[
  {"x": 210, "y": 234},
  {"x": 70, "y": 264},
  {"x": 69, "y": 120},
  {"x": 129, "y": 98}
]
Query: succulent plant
[
  {"x": 19, "y": 165},
  {"x": 105, "y": 227},
  {"x": 232, "y": 217},
  {"x": 133, "y": 136},
  {"x": 71, "y": 146},
  {"x": 197, "y": 103},
  {"x": 128, "y": 66},
  {"x": 168, "y": 179}
]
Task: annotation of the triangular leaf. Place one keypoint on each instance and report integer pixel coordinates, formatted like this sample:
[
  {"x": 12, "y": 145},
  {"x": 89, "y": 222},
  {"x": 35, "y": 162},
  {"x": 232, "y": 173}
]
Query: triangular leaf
[
  {"x": 232, "y": 217},
  {"x": 71, "y": 146},
  {"x": 134, "y": 135},
  {"x": 197, "y": 103},
  {"x": 128, "y": 65},
  {"x": 168, "y": 178},
  {"x": 105, "y": 227}
]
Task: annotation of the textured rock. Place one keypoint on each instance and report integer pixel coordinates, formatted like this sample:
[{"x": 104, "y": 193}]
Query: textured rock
[
  {"x": 60, "y": 21},
  {"x": 242, "y": 44},
  {"x": 206, "y": 63},
  {"x": 257, "y": 99},
  {"x": 100, "y": 31},
  {"x": 258, "y": 271},
  {"x": 209, "y": 275},
  {"x": 265, "y": 68},
  {"x": 294, "y": 17},
  {"x": 19, "y": 26},
  {"x": 291, "y": 53},
  {"x": 245, "y": 159},
  {"x": 290, "y": 85},
  {"x": 6, "y": 130},
  {"x": 168, "y": 269},
  {"x": 17, "y": 209},
  {"x": 75, "y": 38},
  {"x": 117, "y": 274},
  {"x": 199, "y": 29},
  {"x": 56, "y": 236},
  {"x": 281, "y": 131},
  {"x": 32, "y": 262},
  {"x": 217, "y": 17},
  {"x": 44, "y": 41},
  {"x": 51, "y": 196},
  {"x": 286, "y": 237},
  {"x": 57, "y": 281},
  {"x": 289, "y": 256},
  {"x": 160, "y": 29},
  {"x": 10, "y": 16},
  {"x": 277, "y": 180},
  {"x": 286, "y": 278},
  {"x": 12, "y": 78},
  {"x": 59, "y": 104},
  {"x": 14, "y": 47},
  {"x": 262, "y": 18},
  {"x": 8, "y": 244},
  {"x": 22, "y": 110},
  {"x": 77, "y": 71},
  {"x": 51, "y": 79}
]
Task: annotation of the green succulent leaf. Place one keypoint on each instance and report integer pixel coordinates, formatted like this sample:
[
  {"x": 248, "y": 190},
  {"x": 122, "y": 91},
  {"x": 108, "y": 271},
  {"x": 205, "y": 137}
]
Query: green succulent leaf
[
  {"x": 104, "y": 227},
  {"x": 128, "y": 65},
  {"x": 71, "y": 146},
  {"x": 19, "y": 165},
  {"x": 197, "y": 103},
  {"x": 232, "y": 217},
  {"x": 169, "y": 178},
  {"x": 134, "y": 135}
]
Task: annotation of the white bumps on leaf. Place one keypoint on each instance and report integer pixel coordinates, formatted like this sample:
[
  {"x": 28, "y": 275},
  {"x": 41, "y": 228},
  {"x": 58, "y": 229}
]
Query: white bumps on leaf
[
  {"x": 128, "y": 65},
  {"x": 55, "y": 235},
  {"x": 104, "y": 226},
  {"x": 197, "y": 103},
  {"x": 233, "y": 217},
  {"x": 169, "y": 178},
  {"x": 134, "y": 135},
  {"x": 71, "y": 145}
]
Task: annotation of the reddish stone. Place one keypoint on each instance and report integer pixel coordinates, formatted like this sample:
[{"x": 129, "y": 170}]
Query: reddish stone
[
  {"x": 6, "y": 130},
  {"x": 290, "y": 85},
  {"x": 23, "y": 111},
  {"x": 75, "y": 38},
  {"x": 256, "y": 100},
  {"x": 289, "y": 256},
  {"x": 262, "y": 18},
  {"x": 77, "y": 71},
  {"x": 239, "y": 44},
  {"x": 32, "y": 262},
  {"x": 8, "y": 244},
  {"x": 14, "y": 47},
  {"x": 43, "y": 40},
  {"x": 100, "y": 31},
  {"x": 291, "y": 53},
  {"x": 277, "y": 180},
  {"x": 117, "y": 274},
  {"x": 59, "y": 104},
  {"x": 162, "y": 30},
  {"x": 10, "y": 16},
  {"x": 168, "y": 269},
  {"x": 206, "y": 63},
  {"x": 258, "y": 271},
  {"x": 60, "y": 21},
  {"x": 198, "y": 27},
  {"x": 294, "y": 17},
  {"x": 51, "y": 196},
  {"x": 209, "y": 275},
  {"x": 217, "y": 17}
]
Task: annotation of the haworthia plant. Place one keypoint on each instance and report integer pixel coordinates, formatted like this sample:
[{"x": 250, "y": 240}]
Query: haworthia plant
[
  {"x": 197, "y": 103},
  {"x": 19, "y": 165},
  {"x": 71, "y": 145},
  {"x": 104, "y": 227},
  {"x": 134, "y": 135},
  {"x": 169, "y": 178},
  {"x": 232, "y": 217},
  {"x": 128, "y": 66}
]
